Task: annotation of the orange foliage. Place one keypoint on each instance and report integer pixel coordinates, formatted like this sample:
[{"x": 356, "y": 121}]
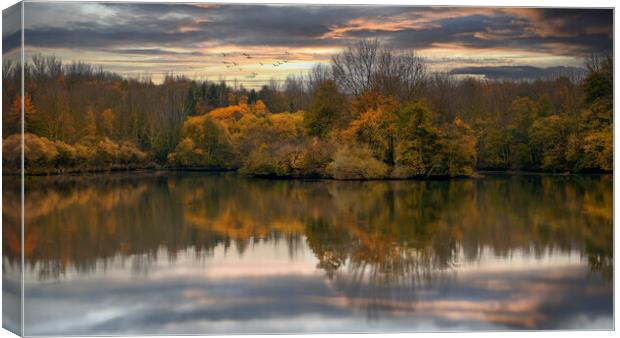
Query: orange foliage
[{"x": 16, "y": 109}]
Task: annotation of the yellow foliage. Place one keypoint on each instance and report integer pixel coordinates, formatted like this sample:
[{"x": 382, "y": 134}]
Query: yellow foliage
[
  {"x": 41, "y": 153},
  {"x": 287, "y": 125},
  {"x": 12, "y": 150},
  {"x": 372, "y": 100},
  {"x": 107, "y": 120},
  {"x": 314, "y": 157},
  {"x": 38, "y": 150},
  {"x": 259, "y": 108},
  {"x": 598, "y": 149},
  {"x": 353, "y": 163},
  {"x": 107, "y": 151}
]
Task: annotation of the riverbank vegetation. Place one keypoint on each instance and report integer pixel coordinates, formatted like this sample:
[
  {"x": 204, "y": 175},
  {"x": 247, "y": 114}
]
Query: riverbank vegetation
[{"x": 372, "y": 113}]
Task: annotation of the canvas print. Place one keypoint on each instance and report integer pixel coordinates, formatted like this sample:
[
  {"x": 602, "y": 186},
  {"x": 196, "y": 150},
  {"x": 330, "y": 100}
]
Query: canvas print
[{"x": 208, "y": 168}]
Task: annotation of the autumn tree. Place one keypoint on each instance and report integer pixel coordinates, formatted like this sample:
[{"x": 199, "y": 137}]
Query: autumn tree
[
  {"x": 419, "y": 150},
  {"x": 325, "y": 110},
  {"x": 598, "y": 84},
  {"x": 15, "y": 113}
]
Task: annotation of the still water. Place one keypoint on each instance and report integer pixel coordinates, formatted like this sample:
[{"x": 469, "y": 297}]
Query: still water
[{"x": 179, "y": 253}]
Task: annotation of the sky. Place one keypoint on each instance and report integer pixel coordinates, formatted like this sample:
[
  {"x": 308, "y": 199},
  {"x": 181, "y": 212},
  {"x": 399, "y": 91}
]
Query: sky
[{"x": 253, "y": 43}]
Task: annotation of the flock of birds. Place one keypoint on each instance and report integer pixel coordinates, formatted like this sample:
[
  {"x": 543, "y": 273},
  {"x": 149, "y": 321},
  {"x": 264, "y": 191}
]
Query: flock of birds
[{"x": 276, "y": 63}]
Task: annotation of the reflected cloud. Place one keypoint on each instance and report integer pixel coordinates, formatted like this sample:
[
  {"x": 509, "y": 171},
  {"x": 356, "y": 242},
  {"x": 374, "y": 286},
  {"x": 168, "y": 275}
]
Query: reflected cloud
[
  {"x": 193, "y": 252},
  {"x": 178, "y": 298}
]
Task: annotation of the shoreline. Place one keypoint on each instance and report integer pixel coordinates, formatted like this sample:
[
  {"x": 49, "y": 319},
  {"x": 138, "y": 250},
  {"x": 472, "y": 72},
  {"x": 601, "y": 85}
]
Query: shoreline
[{"x": 154, "y": 168}]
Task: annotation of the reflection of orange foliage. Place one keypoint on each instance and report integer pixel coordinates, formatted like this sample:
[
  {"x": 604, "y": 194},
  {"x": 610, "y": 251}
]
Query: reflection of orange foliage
[
  {"x": 239, "y": 225},
  {"x": 42, "y": 203},
  {"x": 30, "y": 242},
  {"x": 110, "y": 226},
  {"x": 13, "y": 240},
  {"x": 396, "y": 226},
  {"x": 236, "y": 222}
]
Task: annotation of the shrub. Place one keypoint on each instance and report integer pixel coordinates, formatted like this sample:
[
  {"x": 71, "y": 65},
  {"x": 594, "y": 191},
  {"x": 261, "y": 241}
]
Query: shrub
[
  {"x": 313, "y": 157},
  {"x": 354, "y": 163},
  {"x": 84, "y": 154},
  {"x": 12, "y": 151},
  {"x": 264, "y": 162},
  {"x": 38, "y": 151},
  {"x": 130, "y": 154},
  {"x": 185, "y": 154},
  {"x": 107, "y": 152},
  {"x": 67, "y": 154}
]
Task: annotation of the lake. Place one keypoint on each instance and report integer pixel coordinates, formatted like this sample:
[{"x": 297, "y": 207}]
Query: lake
[{"x": 205, "y": 253}]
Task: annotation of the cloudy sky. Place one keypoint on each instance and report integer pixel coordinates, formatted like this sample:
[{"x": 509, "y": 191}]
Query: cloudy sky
[{"x": 196, "y": 39}]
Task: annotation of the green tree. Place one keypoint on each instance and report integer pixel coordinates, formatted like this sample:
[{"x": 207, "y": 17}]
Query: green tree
[
  {"x": 419, "y": 150},
  {"x": 599, "y": 84},
  {"x": 325, "y": 110},
  {"x": 548, "y": 140}
]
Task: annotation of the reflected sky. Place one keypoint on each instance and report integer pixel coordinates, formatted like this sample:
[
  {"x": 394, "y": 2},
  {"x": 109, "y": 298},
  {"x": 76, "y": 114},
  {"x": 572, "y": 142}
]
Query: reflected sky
[{"x": 201, "y": 253}]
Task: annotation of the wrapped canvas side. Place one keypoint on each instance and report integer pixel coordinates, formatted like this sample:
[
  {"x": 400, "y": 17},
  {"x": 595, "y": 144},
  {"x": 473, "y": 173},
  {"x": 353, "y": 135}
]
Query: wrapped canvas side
[{"x": 12, "y": 175}]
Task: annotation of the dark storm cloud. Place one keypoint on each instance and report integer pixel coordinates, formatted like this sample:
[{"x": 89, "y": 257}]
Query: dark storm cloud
[
  {"x": 155, "y": 51},
  {"x": 520, "y": 72},
  {"x": 11, "y": 32},
  {"x": 555, "y": 31}
]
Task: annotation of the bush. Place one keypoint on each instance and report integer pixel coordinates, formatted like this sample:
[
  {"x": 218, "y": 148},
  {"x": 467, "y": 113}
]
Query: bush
[
  {"x": 38, "y": 151},
  {"x": 107, "y": 152},
  {"x": 12, "y": 151},
  {"x": 45, "y": 156},
  {"x": 67, "y": 154},
  {"x": 355, "y": 163},
  {"x": 313, "y": 158},
  {"x": 185, "y": 154},
  {"x": 264, "y": 162},
  {"x": 84, "y": 154},
  {"x": 130, "y": 154}
]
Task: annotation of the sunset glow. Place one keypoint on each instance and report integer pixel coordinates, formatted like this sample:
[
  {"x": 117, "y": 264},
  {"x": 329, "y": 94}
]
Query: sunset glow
[{"x": 249, "y": 43}]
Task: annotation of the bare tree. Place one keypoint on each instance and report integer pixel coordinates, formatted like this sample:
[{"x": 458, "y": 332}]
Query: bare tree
[
  {"x": 295, "y": 93},
  {"x": 353, "y": 69},
  {"x": 400, "y": 74},
  {"x": 317, "y": 75},
  {"x": 370, "y": 65}
]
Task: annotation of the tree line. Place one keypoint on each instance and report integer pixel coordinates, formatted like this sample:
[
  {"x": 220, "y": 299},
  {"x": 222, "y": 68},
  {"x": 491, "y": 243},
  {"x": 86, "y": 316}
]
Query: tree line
[{"x": 372, "y": 112}]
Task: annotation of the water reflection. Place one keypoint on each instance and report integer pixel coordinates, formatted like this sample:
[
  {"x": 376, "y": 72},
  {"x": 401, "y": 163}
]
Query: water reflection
[{"x": 202, "y": 253}]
